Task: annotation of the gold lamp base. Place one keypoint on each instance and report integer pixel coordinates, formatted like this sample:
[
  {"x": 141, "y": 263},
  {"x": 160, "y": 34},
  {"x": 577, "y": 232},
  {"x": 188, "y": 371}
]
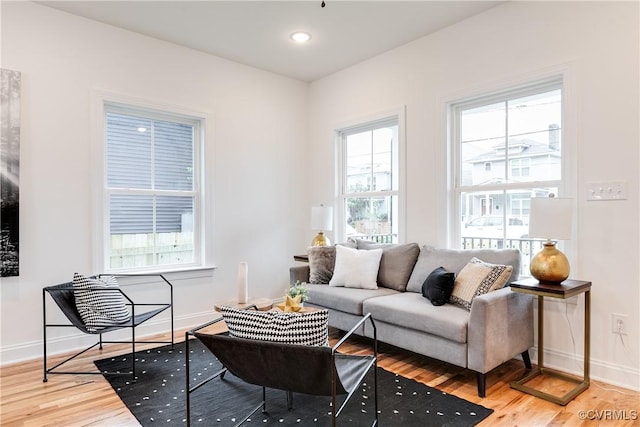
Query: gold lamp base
[
  {"x": 550, "y": 265},
  {"x": 320, "y": 240}
]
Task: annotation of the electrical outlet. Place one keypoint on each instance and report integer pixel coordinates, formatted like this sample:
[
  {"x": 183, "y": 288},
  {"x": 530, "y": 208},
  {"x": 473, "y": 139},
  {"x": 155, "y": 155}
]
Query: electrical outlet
[{"x": 619, "y": 324}]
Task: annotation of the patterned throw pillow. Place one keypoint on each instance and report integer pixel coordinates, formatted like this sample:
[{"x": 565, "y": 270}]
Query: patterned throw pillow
[
  {"x": 478, "y": 278},
  {"x": 322, "y": 260},
  {"x": 100, "y": 302},
  {"x": 304, "y": 328}
]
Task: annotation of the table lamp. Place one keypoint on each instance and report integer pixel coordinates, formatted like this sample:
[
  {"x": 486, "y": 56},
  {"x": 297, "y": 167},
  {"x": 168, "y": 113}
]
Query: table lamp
[
  {"x": 321, "y": 220},
  {"x": 550, "y": 218}
]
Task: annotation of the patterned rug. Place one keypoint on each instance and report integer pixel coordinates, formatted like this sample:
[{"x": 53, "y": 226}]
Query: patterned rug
[{"x": 158, "y": 397}]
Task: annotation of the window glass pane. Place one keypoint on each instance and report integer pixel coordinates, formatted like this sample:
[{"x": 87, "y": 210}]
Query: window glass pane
[
  {"x": 173, "y": 144},
  {"x": 131, "y": 214},
  {"x": 174, "y": 226},
  {"x": 498, "y": 214},
  {"x": 131, "y": 239},
  {"x": 482, "y": 133},
  {"x": 535, "y": 129},
  {"x": 372, "y": 218},
  {"x": 358, "y": 162},
  {"x": 383, "y": 162},
  {"x": 358, "y": 211},
  {"x": 139, "y": 240},
  {"x": 128, "y": 151}
]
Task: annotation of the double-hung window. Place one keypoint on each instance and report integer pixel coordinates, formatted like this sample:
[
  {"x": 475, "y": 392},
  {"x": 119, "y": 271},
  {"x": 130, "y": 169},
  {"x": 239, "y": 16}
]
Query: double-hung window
[
  {"x": 369, "y": 180},
  {"x": 152, "y": 191},
  {"x": 519, "y": 133}
]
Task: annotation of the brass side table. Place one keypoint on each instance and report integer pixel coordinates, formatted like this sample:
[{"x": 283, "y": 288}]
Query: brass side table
[{"x": 564, "y": 290}]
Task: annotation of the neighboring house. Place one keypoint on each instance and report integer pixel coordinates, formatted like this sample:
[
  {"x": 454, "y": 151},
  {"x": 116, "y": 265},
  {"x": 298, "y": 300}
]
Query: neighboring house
[{"x": 528, "y": 160}]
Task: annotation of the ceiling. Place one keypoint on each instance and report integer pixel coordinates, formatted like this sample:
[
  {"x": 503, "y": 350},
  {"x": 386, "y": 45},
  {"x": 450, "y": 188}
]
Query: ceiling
[{"x": 256, "y": 33}]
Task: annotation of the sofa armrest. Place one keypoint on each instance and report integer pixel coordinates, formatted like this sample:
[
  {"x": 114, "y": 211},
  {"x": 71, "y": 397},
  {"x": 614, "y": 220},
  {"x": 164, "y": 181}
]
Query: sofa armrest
[
  {"x": 299, "y": 273},
  {"x": 500, "y": 328}
]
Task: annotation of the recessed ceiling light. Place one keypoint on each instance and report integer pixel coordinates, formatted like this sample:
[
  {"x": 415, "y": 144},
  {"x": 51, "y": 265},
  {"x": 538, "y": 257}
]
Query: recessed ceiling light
[
  {"x": 142, "y": 129},
  {"x": 300, "y": 37}
]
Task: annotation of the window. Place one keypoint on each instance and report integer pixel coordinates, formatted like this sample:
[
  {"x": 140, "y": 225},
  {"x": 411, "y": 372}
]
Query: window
[
  {"x": 369, "y": 178},
  {"x": 519, "y": 132},
  {"x": 152, "y": 189},
  {"x": 519, "y": 167}
]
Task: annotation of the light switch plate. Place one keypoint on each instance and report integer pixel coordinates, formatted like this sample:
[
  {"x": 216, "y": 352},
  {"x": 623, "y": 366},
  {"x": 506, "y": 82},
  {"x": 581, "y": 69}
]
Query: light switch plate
[{"x": 607, "y": 190}]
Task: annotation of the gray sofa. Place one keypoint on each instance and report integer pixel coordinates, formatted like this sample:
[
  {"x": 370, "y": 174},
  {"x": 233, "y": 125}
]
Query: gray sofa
[{"x": 497, "y": 328}]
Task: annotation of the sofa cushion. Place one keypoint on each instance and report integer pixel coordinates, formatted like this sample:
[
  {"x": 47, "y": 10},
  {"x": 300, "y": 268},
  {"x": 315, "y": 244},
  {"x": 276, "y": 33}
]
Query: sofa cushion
[
  {"x": 322, "y": 260},
  {"x": 396, "y": 263},
  {"x": 454, "y": 260},
  {"x": 478, "y": 278},
  {"x": 307, "y": 328},
  {"x": 413, "y": 311},
  {"x": 356, "y": 269},
  {"x": 438, "y": 286},
  {"x": 347, "y": 300}
]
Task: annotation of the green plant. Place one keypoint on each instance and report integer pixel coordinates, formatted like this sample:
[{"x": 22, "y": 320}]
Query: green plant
[{"x": 299, "y": 288}]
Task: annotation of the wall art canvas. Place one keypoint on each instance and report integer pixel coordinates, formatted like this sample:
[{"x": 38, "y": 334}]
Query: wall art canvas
[{"x": 9, "y": 172}]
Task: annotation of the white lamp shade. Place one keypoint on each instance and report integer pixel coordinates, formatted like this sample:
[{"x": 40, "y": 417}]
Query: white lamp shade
[
  {"x": 551, "y": 218},
  {"x": 321, "y": 218}
]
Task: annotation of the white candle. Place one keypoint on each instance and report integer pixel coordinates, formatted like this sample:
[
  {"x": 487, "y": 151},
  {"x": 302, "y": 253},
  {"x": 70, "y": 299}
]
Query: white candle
[{"x": 243, "y": 283}]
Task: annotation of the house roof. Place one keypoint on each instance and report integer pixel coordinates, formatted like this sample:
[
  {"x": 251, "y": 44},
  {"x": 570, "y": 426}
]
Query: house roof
[{"x": 528, "y": 148}]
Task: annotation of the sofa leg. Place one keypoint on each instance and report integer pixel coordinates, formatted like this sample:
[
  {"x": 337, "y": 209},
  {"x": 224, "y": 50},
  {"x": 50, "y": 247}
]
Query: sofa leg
[
  {"x": 482, "y": 384},
  {"x": 526, "y": 358}
]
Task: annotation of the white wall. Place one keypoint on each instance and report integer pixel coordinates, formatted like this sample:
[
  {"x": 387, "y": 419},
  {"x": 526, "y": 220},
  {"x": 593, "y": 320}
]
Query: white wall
[
  {"x": 595, "y": 45},
  {"x": 260, "y": 124}
]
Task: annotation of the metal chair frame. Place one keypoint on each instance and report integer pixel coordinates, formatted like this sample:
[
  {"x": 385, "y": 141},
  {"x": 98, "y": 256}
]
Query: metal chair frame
[
  {"x": 336, "y": 385},
  {"x": 62, "y": 294}
]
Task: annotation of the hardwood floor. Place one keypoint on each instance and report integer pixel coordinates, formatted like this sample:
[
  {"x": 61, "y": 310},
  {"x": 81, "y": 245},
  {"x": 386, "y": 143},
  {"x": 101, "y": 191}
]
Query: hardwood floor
[{"x": 88, "y": 400}]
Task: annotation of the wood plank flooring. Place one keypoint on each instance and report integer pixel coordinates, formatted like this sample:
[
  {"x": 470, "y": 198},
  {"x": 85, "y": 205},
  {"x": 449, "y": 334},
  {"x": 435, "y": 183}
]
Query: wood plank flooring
[{"x": 88, "y": 400}]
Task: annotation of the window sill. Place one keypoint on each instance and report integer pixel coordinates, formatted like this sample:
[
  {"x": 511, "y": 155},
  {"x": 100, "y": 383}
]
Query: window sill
[{"x": 171, "y": 275}]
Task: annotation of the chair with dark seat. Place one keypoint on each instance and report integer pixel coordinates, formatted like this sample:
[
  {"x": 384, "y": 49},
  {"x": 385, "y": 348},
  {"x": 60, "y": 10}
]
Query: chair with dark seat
[
  {"x": 64, "y": 297},
  {"x": 314, "y": 370}
]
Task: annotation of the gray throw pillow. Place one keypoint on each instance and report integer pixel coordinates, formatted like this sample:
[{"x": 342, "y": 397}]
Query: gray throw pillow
[
  {"x": 396, "y": 264},
  {"x": 322, "y": 260}
]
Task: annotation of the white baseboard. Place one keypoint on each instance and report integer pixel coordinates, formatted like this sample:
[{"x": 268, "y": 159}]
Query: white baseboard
[
  {"x": 77, "y": 341},
  {"x": 610, "y": 373}
]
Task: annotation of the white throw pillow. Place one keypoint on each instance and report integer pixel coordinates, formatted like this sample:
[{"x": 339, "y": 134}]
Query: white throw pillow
[{"x": 356, "y": 268}]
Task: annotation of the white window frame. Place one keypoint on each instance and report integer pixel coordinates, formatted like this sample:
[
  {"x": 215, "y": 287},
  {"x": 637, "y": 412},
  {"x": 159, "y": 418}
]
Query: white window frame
[
  {"x": 364, "y": 123},
  {"x": 203, "y": 162},
  {"x": 566, "y": 183}
]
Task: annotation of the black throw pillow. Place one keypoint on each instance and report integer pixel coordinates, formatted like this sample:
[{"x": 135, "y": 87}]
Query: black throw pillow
[{"x": 438, "y": 286}]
